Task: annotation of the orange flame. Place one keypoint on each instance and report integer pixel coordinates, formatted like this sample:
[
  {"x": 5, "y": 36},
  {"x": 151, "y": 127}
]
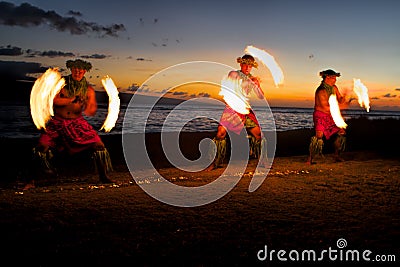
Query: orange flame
[
  {"x": 268, "y": 61},
  {"x": 362, "y": 94},
  {"x": 45, "y": 88},
  {"x": 335, "y": 112},
  {"x": 231, "y": 92},
  {"x": 113, "y": 103}
]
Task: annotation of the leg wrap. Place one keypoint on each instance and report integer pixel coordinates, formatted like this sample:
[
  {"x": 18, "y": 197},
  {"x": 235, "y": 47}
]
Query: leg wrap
[
  {"x": 316, "y": 146},
  {"x": 102, "y": 160},
  {"x": 341, "y": 140},
  {"x": 219, "y": 150},
  {"x": 43, "y": 160},
  {"x": 258, "y": 147}
]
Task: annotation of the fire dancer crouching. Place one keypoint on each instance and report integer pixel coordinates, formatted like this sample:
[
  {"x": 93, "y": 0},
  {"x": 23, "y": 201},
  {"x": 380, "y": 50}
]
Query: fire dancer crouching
[
  {"x": 234, "y": 120},
  {"x": 323, "y": 122},
  {"x": 68, "y": 131}
]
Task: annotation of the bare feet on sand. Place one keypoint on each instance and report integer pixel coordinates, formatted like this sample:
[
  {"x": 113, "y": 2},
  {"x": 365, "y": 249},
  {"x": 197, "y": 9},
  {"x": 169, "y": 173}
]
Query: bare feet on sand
[
  {"x": 29, "y": 185},
  {"x": 339, "y": 159},
  {"x": 105, "y": 179},
  {"x": 309, "y": 161}
]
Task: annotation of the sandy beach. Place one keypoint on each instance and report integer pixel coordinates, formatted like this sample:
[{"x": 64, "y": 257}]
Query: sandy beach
[{"x": 74, "y": 220}]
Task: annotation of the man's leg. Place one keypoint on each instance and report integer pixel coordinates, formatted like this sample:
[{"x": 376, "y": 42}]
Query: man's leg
[
  {"x": 340, "y": 145},
  {"x": 220, "y": 150},
  {"x": 258, "y": 144},
  {"x": 316, "y": 146},
  {"x": 41, "y": 164},
  {"x": 102, "y": 161}
]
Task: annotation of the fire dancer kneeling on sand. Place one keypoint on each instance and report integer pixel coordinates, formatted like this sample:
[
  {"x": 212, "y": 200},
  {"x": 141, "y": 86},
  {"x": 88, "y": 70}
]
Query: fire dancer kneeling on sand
[
  {"x": 68, "y": 131},
  {"x": 323, "y": 121},
  {"x": 238, "y": 114}
]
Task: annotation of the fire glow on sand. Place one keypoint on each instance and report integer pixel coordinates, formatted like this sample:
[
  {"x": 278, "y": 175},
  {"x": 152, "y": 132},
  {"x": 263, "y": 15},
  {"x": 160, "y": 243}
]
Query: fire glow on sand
[
  {"x": 362, "y": 94},
  {"x": 45, "y": 88},
  {"x": 113, "y": 103}
]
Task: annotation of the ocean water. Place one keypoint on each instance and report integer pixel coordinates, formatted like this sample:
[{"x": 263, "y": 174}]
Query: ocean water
[{"x": 16, "y": 121}]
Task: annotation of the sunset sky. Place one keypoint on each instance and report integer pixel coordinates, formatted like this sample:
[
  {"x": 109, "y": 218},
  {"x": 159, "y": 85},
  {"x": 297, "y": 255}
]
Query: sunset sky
[{"x": 132, "y": 40}]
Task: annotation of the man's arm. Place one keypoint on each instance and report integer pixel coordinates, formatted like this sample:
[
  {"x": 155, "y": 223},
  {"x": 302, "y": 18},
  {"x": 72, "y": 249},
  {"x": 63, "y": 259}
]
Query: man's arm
[
  {"x": 341, "y": 99},
  {"x": 322, "y": 101},
  {"x": 61, "y": 100},
  {"x": 259, "y": 92},
  {"x": 91, "y": 103}
]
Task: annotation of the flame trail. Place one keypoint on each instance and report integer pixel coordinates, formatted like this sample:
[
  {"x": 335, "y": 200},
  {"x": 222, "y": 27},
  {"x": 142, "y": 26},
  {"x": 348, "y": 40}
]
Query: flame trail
[
  {"x": 268, "y": 61},
  {"x": 229, "y": 91},
  {"x": 45, "y": 88},
  {"x": 362, "y": 94},
  {"x": 335, "y": 112},
  {"x": 113, "y": 103}
]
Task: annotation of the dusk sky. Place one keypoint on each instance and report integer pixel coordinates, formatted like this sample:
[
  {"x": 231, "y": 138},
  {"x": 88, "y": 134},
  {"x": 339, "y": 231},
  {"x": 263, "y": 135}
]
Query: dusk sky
[{"x": 132, "y": 40}]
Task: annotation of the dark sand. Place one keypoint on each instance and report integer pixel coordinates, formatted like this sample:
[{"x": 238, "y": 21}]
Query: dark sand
[{"x": 74, "y": 221}]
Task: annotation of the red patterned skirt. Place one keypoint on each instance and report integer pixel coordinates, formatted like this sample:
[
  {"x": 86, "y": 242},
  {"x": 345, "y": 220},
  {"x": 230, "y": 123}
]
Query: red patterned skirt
[
  {"x": 235, "y": 122},
  {"x": 324, "y": 122},
  {"x": 73, "y": 135}
]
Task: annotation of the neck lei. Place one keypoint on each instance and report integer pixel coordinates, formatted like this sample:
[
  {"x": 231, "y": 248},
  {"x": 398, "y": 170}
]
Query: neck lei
[
  {"x": 75, "y": 88},
  {"x": 329, "y": 89},
  {"x": 244, "y": 75}
]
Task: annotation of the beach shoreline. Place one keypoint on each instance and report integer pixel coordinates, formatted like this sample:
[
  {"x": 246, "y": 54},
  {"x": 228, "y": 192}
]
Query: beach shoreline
[{"x": 378, "y": 136}]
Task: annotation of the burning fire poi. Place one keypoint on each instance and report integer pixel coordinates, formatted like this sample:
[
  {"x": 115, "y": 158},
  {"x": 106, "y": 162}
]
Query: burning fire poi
[
  {"x": 362, "y": 94},
  {"x": 268, "y": 61},
  {"x": 335, "y": 112},
  {"x": 230, "y": 87},
  {"x": 229, "y": 91},
  {"x": 45, "y": 88},
  {"x": 50, "y": 83},
  {"x": 113, "y": 103}
]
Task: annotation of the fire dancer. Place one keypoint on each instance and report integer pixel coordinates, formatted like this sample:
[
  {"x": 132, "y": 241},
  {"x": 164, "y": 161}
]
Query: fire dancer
[
  {"x": 323, "y": 122},
  {"x": 68, "y": 131},
  {"x": 235, "y": 120}
]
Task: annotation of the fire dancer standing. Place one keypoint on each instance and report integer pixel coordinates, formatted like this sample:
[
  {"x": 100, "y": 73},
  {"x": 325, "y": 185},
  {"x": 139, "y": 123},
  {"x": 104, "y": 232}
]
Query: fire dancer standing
[
  {"x": 235, "y": 121},
  {"x": 68, "y": 130},
  {"x": 323, "y": 122}
]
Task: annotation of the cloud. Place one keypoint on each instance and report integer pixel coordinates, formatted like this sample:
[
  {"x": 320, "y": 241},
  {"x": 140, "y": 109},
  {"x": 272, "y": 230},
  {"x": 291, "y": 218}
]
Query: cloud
[
  {"x": 166, "y": 90},
  {"x": 74, "y": 13},
  {"x": 19, "y": 70},
  {"x": 375, "y": 98},
  {"x": 202, "y": 94},
  {"x": 179, "y": 93},
  {"x": 389, "y": 95},
  {"x": 17, "y": 51},
  {"x": 26, "y": 15},
  {"x": 134, "y": 87},
  {"x": 95, "y": 56},
  {"x": 49, "y": 53},
  {"x": 10, "y": 51},
  {"x": 397, "y": 89},
  {"x": 142, "y": 59}
]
